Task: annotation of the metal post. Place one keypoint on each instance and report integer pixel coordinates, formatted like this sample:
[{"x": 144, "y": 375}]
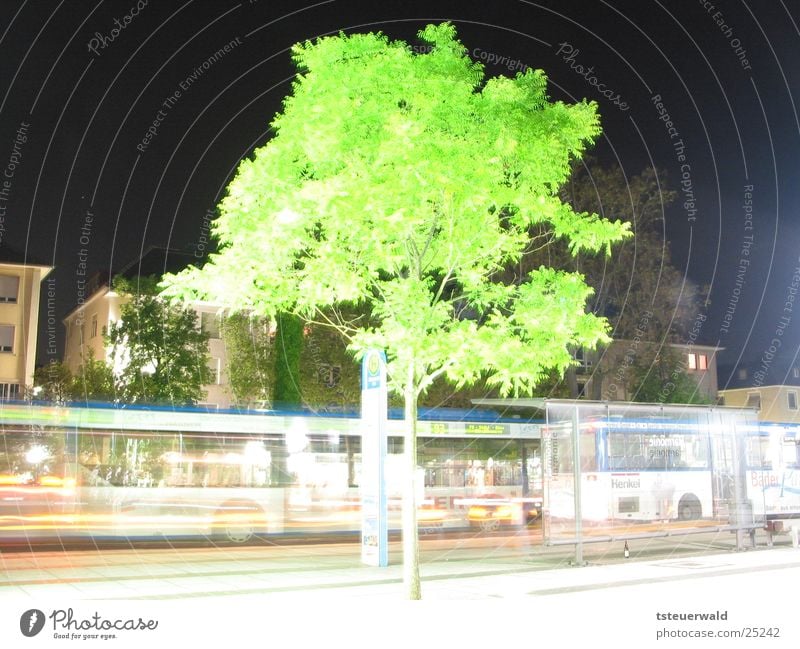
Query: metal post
[{"x": 576, "y": 465}]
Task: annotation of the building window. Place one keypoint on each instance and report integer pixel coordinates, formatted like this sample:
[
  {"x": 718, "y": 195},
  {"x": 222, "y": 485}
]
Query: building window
[
  {"x": 9, "y": 391},
  {"x": 753, "y": 400},
  {"x": 93, "y": 330},
  {"x": 9, "y": 288},
  {"x": 697, "y": 361},
  {"x": 209, "y": 323},
  {"x": 791, "y": 398},
  {"x": 743, "y": 374},
  {"x": 584, "y": 360},
  {"x": 796, "y": 372},
  {"x": 6, "y": 338}
]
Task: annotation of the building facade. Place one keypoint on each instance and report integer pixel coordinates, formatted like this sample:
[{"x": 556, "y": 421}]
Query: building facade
[
  {"x": 88, "y": 322},
  {"x": 776, "y": 403},
  {"x": 775, "y": 393},
  {"x": 20, "y": 290},
  {"x": 606, "y": 374}
]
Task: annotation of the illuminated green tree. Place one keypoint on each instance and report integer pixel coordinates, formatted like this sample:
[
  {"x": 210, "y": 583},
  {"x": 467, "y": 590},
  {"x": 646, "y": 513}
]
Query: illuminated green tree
[{"x": 404, "y": 183}]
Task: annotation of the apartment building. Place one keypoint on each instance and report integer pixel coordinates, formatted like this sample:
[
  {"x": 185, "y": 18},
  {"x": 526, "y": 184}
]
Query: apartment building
[
  {"x": 605, "y": 374},
  {"x": 101, "y": 306},
  {"x": 775, "y": 393},
  {"x": 20, "y": 291}
]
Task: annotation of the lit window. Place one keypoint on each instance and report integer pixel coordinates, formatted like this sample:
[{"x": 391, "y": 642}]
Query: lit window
[
  {"x": 692, "y": 361},
  {"x": 9, "y": 288},
  {"x": 753, "y": 400},
  {"x": 791, "y": 398},
  {"x": 743, "y": 374},
  {"x": 702, "y": 362},
  {"x": 6, "y": 338},
  {"x": 796, "y": 372}
]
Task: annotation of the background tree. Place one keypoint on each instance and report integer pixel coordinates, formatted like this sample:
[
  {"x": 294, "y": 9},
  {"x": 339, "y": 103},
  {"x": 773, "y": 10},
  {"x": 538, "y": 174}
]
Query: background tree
[
  {"x": 642, "y": 277},
  {"x": 659, "y": 376},
  {"x": 641, "y": 292},
  {"x": 94, "y": 381},
  {"x": 53, "y": 383},
  {"x": 405, "y": 183},
  {"x": 159, "y": 346},
  {"x": 249, "y": 358}
]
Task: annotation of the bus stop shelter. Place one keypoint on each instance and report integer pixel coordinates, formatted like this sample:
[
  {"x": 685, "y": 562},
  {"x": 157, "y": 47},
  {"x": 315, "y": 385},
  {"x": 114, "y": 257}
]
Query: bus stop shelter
[{"x": 617, "y": 471}]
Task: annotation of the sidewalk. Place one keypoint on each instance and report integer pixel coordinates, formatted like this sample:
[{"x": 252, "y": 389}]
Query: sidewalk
[
  {"x": 322, "y": 596},
  {"x": 333, "y": 572}
]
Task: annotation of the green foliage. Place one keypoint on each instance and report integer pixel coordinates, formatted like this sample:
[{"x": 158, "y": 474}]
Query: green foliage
[
  {"x": 404, "y": 182},
  {"x": 288, "y": 348},
  {"x": 330, "y": 378},
  {"x": 161, "y": 350},
  {"x": 94, "y": 381},
  {"x": 250, "y": 364},
  {"x": 53, "y": 382},
  {"x": 138, "y": 285}
]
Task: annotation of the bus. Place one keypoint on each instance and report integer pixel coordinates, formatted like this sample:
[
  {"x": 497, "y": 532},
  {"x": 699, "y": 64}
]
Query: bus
[
  {"x": 658, "y": 469},
  {"x": 114, "y": 472},
  {"x": 773, "y": 472}
]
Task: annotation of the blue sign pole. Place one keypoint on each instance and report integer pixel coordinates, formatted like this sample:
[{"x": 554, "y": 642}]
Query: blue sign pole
[{"x": 374, "y": 510}]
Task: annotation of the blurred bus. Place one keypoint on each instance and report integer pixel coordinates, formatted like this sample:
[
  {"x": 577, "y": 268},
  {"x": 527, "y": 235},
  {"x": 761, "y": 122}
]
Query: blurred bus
[{"x": 151, "y": 473}]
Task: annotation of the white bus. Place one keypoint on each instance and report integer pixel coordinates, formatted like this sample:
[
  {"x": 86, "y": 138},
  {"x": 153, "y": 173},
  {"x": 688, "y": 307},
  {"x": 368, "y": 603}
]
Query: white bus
[{"x": 662, "y": 470}]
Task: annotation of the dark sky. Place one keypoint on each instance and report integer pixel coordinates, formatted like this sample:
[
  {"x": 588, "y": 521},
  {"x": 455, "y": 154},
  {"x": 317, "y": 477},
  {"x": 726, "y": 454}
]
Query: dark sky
[{"x": 79, "y": 94}]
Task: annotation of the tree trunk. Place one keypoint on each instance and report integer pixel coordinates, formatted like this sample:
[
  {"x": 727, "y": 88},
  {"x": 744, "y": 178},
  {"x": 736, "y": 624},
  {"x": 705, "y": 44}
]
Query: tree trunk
[
  {"x": 411, "y": 580},
  {"x": 571, "y": 376}
]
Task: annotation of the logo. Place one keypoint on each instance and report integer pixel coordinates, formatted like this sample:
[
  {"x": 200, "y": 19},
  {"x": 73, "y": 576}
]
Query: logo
[
  {"x": 31, "y": 622},
  {"x": 373, "y": 364}
]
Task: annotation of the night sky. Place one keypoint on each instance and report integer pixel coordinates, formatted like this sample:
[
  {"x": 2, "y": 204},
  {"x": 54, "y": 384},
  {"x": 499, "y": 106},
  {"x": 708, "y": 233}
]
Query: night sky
[{"x": 120, "y": 127}]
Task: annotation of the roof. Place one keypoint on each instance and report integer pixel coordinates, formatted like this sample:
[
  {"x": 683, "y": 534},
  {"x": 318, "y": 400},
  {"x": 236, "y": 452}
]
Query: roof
[
  {"x": 540, "y": 403},
  {"x": 157, "y": 261}
]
